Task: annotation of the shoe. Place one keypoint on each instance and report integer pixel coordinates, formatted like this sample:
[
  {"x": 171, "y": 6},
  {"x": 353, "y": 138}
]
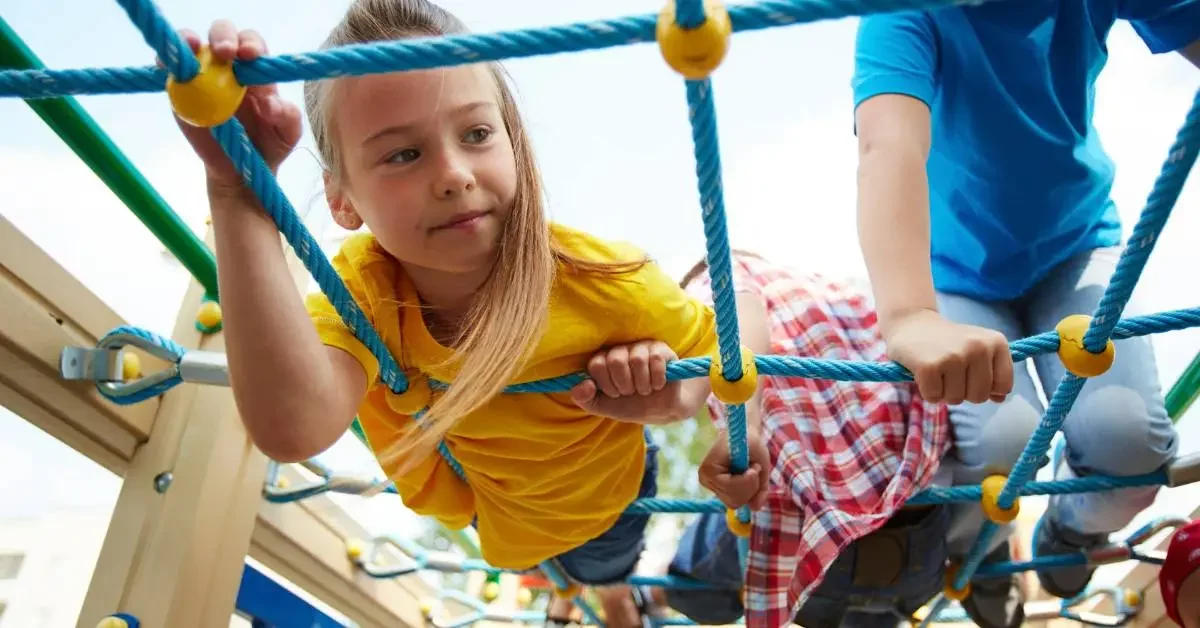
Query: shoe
[
  {"x": 996, "y": 602},
  {"x": 1049, "y": 539}
]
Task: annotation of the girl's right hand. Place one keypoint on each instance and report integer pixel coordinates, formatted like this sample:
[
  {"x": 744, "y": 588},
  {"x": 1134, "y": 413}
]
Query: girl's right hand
[{"x": 272, "y": 123}]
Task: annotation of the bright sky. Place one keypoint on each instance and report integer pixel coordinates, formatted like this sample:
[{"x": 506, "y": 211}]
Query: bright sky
[{"x": 612, "y": 137}]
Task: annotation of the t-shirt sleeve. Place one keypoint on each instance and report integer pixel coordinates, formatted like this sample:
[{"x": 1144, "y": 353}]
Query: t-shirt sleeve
[
  {"x": 332, "y": 330},
  {"x": 671, "y": 315},
  {"x": 1164, "y": 25},
  {"x": 895, "y": 53}
]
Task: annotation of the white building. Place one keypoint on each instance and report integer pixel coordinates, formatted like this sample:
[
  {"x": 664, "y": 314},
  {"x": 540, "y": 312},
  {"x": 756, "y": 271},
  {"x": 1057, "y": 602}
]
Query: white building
[{"x": 46, "y": 564}]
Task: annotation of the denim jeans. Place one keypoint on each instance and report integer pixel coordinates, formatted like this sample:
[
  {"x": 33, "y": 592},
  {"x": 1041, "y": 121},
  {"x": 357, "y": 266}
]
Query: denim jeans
[
  {"x": 1117, "y": 426},
  {"x": 612, "y": 556},
  {"x": 876, "y": 581}
]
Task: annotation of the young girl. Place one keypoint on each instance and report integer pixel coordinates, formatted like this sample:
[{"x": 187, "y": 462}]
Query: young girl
[
  {"x": 985, "y": 217},
  {"x": 466, "y": 282}
]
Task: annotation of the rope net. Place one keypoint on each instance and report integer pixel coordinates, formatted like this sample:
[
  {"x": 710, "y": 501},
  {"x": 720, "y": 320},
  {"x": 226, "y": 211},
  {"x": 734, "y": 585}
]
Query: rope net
[{"x": 671, "y": 29}]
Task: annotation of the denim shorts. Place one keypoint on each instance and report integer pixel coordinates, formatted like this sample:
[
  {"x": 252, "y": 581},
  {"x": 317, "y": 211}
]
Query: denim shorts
[
  {"x": 612, "y": 557},
  {"x": 876, "y": 580}
]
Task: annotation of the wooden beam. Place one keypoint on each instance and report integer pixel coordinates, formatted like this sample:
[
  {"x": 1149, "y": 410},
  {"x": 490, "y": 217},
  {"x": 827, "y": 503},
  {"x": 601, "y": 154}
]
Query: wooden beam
[
  {"x": 174, "y": 557},
  {"x": 180, "y": 551},
  {"x": 46, "y": 309}
]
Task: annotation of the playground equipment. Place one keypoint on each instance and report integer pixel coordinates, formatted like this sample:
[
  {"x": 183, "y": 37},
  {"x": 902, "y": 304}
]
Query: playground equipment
[{"x": 172, "y": 490}]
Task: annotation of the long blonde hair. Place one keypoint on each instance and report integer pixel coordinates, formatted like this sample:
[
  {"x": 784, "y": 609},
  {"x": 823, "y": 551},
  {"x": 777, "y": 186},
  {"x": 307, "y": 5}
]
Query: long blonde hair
[{"x": 508, "y": 316}]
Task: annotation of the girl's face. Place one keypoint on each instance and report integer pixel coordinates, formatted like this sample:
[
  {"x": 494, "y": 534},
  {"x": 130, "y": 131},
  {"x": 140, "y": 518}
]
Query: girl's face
[{"x": 427, "y": 165}]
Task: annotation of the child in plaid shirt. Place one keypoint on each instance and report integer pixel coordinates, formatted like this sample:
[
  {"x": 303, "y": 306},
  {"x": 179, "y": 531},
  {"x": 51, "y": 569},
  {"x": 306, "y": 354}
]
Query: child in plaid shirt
[{"x": 834, "y": 541}]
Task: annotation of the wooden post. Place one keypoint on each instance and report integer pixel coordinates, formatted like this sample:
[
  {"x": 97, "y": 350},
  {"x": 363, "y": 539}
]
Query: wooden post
[{"x": 173, "y": 557}]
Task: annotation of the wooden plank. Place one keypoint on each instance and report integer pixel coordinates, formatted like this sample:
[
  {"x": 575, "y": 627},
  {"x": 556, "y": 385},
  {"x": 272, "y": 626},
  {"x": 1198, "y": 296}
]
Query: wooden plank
[
  {"x": 174, "y": 558},
  {"x": 46, "y": 309}
]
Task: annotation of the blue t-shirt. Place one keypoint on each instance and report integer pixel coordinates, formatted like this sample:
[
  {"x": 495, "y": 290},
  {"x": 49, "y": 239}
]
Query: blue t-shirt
[{"x": 1018, "y": 178}]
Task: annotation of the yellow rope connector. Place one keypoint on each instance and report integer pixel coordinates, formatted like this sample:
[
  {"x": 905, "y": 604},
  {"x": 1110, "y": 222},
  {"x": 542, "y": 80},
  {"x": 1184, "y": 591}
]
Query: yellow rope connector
[
  {"x": 1133, "y": 598},
  {"x": 426, "y": 607},
  {"x": 281, "y": 482},
  {"x": 948, "y": 589},
  {"x": 524, "y": 597},
  {"x": 112, "y": 622},
  {"x": 413, "y": 400},
  {"x": 131, "y": 366},
  {"x": 209, "y": 317},
  {"x": 739, "y": 391},
  {"x": 989, "y": 499},
  {"x": 354, "y": 549},
  {"x": 570, "y": 592},
  {"x": 491, "y": 591},
  {"x": 736, "y": 526},
  {"x": 694, "y": 52},
  {"x": 211, "y": 97},
  {"x": 1075, "y": 358}
]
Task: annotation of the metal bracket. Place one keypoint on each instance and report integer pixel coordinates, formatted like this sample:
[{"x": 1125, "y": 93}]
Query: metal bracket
[
  {"x": 1183, "y": 471},
  {"x": 102, "y": 364}
]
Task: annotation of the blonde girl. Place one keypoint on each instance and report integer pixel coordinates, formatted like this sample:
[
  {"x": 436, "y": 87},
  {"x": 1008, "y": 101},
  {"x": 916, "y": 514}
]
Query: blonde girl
[{"x": 466, "y": 282}]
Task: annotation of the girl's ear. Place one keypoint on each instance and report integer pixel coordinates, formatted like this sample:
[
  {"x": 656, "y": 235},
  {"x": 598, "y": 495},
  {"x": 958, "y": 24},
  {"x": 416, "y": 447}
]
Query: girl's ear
[{"x": 340, "y": 206}]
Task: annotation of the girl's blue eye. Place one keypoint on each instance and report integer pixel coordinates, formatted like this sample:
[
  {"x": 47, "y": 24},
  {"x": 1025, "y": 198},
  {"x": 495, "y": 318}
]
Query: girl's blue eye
[
  {"x": 477, "y": 136},
  {"x": 404, "y": 156}
]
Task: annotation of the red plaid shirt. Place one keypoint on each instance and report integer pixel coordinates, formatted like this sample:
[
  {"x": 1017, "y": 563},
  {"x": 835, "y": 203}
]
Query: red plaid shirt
[{"x": 847, "y": 455}]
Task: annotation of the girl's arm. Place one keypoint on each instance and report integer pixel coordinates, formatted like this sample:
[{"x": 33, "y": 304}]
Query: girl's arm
[{"x": 296, "y": 396}]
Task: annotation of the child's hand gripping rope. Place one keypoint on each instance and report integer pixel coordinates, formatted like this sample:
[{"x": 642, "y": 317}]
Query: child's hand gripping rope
[
  {"x": 271, "y": 122},
  {"x": 629, "y": 383}
]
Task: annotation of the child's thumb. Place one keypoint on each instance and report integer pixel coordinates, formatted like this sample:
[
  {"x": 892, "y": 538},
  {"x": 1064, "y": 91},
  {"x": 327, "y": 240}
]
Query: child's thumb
[{"x": 584, "y": 395}]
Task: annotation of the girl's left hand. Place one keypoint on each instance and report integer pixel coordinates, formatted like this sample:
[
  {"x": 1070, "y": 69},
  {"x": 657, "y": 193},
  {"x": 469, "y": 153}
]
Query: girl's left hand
[{"x": 629, "y": 382}]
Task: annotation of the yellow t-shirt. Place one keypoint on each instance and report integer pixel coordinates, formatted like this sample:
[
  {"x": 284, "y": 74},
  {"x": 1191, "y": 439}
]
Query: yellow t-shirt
[{"x": 544, "y": 476}]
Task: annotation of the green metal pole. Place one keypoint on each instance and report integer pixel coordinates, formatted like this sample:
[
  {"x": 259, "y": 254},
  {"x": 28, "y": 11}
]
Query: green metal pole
[
  {"x": 71, "y": 123},
  {"x": 1185, "y": 391}
]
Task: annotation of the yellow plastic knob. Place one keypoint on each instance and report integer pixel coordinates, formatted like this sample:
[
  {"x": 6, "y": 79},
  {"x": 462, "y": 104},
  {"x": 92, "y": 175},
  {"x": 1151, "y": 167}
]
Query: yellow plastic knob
[
  {"x": 426, "y": 607},
  {"x": 1075, "y": 358},
  {"x": 208, "y": 317},
  {"x": 112, "y": 622},
  {"x": 1133, "y": 598},
  {"x": 413, "y": 400},
  {"x": 694, "y": 52},
  {"x": 990, "y": 493},
  {"x": 736, "y": 526},
  {"x": 739, "y": 391},
  {"x": 491, "y": 591},
  {"x": 524, "y": 597},
  {"x": 948, "y": 589},
  {"x": 354, "y": 549},
  {"x": 131, "y": 366},
  {"x": 570, "y": 592},
  {"x": 211, "y": 97}
]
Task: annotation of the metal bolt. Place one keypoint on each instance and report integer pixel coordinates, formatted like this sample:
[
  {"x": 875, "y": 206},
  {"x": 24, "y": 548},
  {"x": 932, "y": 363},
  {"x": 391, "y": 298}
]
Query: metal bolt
[{"x": 162, "y": 481}]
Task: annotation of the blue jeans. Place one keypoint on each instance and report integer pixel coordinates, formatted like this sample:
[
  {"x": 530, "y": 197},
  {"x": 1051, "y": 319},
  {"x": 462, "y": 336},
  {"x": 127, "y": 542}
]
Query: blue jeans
[
  {"x": 876, "y": 581},
  {"x": 611, "y": 557},
  {"x": 1117, "y": 426}
]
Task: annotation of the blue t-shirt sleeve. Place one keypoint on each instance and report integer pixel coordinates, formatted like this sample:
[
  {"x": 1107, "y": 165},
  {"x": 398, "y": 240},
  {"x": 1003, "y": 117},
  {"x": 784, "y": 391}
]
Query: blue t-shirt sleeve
[
  {"x": 895, "y": 53},
  {"x": 1164, "y": 25}
]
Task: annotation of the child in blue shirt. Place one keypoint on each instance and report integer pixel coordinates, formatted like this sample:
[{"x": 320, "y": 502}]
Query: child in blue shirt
[{"x": 985, "y": 216}]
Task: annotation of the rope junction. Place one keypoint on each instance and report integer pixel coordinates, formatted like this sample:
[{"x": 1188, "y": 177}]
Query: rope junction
[{"x": 693, "y": 37}]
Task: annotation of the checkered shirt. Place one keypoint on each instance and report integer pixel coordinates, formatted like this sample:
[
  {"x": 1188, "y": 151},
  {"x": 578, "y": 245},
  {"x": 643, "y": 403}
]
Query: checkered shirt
[{"x": 847, "y": 455}]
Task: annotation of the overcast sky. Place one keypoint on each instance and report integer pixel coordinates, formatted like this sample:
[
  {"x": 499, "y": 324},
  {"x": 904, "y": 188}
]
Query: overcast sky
[{"x": 611, "y": 134}]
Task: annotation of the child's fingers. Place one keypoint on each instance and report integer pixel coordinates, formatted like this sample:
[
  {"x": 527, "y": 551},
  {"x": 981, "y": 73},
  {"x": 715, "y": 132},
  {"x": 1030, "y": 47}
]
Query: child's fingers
[
  {"x": 639, "y": 368},
  {"x": 251, "y": 45},
  {"x": 598, "y": 371},
  {"x": 618, "y": 370},
  {"x": 660, "y": 354},
  {"x": 223, "y": 40}
]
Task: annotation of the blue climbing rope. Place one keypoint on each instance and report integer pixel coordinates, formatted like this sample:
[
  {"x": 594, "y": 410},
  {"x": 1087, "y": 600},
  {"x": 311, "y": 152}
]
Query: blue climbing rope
[
  {"x": 179, "y": 62},
  {"x": 394, "y": 56}
]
